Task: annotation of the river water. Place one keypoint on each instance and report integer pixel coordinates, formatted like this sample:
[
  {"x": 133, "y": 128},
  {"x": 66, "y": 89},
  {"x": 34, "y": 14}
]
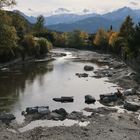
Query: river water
[{"x": 36, "y": 84}]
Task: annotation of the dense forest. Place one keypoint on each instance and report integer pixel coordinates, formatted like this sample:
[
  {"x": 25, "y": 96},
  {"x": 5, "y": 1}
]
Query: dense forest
[{"x": 21, "y": 39}]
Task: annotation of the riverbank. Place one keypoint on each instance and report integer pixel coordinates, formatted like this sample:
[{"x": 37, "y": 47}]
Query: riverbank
[{"x": 105, "y": 123}]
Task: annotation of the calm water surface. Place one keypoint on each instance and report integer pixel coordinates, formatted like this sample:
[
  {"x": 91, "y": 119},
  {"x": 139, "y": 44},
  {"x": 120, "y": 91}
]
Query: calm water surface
[{"x": 36, "y": 84}]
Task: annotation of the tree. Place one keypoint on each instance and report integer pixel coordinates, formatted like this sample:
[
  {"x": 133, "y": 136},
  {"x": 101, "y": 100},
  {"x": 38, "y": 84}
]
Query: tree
[
  {"x": 39, "y": 26},
  {"x": 8, "y": 42},
  {"x": 43, "y": 46},
  {"x": 77, "y": 39},
  {"x": 127, "y": 32},
  {"x": 127, "y": 28},
  {"x": 5, "y": 3},
  {"x": 134, "y": 43},
  {"x": 116, "y": 43},
  {"x": 101, "y": 39}
]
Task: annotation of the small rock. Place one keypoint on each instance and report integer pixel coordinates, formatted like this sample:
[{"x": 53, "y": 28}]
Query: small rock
[
  {"x": 31, "y": 110},
  {"x": 129, "y": 92},
  {"x": 61, "y": 112},
  {"x": 64, "y": 99},
  {"x": 88, "y": 68},
  {"x": 107, "y": 98},
  {"x": 43, "y": 110},
  {"x": 131, "y": 106},
  {"x": 89, "y": 99},
  {"x": 6, "y": 117},
  {"x": 84, "y": 75}
]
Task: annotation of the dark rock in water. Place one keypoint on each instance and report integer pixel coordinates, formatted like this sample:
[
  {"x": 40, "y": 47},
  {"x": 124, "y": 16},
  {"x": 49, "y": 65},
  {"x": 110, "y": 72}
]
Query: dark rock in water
[
  {"x": 88, "y": 68},
  {"x": 131, "y": 106},
  {"x": 31, "y": 110},
  {"x": 5, "y": 117},
  {"x": 38, "y": 109},
  {"x": 89, "y": 99},
  {"x": 43, "y": 110},
  {"x": 107, "y": 98},
  {"x": 84, "y": 75},
  {"x": 64, "y": 99},
  {"x": 62, "y": 113}
]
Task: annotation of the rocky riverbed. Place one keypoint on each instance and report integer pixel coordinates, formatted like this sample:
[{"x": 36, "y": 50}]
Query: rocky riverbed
[{"x": 117, "y": 120}]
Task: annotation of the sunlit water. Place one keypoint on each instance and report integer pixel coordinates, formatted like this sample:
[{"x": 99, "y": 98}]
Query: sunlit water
[{"x": 37, "y": 84}]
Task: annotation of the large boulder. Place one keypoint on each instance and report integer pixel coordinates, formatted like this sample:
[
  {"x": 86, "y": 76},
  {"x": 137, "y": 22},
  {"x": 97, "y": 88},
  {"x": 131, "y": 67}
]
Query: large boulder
[
  {"x": 88, "y": 68},
  {"x": 89, "y": 99},
  {"x": 131, "y": 106},
  {"x": 6, "y": 117}
]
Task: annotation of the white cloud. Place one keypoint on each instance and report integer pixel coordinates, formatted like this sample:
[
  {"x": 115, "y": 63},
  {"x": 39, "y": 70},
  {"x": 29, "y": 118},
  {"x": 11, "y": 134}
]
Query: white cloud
[{"x": 45, "y": 6}]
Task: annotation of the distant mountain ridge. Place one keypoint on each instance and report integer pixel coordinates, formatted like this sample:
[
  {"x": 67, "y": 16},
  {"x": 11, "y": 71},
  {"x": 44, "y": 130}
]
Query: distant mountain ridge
[{"x": 66, "y": 22}]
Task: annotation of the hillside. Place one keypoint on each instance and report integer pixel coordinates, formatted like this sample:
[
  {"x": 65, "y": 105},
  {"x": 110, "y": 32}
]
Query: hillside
[{"x": 92, "y": 24}]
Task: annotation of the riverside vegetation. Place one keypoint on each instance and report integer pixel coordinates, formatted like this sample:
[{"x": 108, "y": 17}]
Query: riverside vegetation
[{"x": 20, "y": 39}]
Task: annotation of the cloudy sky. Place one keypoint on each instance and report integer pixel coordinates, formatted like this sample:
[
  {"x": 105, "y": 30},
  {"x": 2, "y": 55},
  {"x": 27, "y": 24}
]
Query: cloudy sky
[{"x": 34, "y": 7}]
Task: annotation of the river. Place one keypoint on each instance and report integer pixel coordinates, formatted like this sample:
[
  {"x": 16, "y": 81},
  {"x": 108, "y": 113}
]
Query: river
[{"x": 36, "y": 84}]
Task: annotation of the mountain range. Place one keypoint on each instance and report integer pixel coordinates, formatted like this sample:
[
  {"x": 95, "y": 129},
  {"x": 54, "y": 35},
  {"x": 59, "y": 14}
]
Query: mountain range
[{"x": 89, "y": 22}]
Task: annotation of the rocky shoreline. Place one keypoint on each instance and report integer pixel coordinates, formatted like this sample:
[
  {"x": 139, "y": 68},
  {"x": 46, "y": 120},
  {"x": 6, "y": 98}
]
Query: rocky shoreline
[{"x": 105, "y": 122}]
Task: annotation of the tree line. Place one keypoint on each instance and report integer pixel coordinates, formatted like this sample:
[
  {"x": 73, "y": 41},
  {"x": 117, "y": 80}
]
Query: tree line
[
  {"x": 125, "y": 42},
  {"x": 19, "y": 38},
  {"x": 17, "y": 35}
]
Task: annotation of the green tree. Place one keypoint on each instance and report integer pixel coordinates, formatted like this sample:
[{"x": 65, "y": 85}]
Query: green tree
[
  {"x": 8, "y": 42},
  {"x": 43, "y": 46},
  {"x": 39, "y": 25},
  {"x": 127, "y": 32},
  {"x": 77, "y": 39}
]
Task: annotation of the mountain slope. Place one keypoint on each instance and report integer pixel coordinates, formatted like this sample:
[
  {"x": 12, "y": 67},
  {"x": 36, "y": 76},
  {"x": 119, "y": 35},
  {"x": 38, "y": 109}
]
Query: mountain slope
[
  {"x": 92, "y": 24},
  {"x": 89, "y": 25}
]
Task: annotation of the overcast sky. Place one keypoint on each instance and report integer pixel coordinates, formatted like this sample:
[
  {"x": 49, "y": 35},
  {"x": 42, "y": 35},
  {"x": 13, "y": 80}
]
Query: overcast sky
[{"x": 46, "y": 6}]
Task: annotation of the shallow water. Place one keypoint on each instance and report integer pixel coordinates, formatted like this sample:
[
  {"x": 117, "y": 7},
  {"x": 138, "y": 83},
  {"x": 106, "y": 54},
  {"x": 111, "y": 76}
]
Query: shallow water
[{"x": 36, "y": 84}]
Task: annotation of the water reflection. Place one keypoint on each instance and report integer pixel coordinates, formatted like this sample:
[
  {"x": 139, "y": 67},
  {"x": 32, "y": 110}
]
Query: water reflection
[
  {"x": 37, "y": 84},
  {"x": 13, "y": 83}
]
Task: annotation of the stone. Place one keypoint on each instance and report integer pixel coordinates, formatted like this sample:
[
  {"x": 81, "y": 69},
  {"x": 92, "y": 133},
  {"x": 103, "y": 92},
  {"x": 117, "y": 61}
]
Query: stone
[
  {"x": 31, "y": 110},
  {"x": 89, "y": 99},
  {"x": 107, "y": 98},
  {"x": 88, "y": 68},
  {"x": 84, "y": 75},
  {"x": 129, "y": 92},
  {"x": 43, "y": 110},
  {"x": 64, "y": 99},
  {"x": 61, "y": 112},
  {"x": 131, "y": 106},
  {"x": 6, "y": 117}
]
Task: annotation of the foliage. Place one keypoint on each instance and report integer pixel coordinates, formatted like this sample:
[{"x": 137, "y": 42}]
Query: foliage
[
  {"x": 77, "y": 39},
  {"x": 44, "y": 46},
  {"x": 101, "y": 39},
  {"x": 8, "y": 42},
  {"x": 39, "y": 25},
  {"x": 5, "y": 3}
]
